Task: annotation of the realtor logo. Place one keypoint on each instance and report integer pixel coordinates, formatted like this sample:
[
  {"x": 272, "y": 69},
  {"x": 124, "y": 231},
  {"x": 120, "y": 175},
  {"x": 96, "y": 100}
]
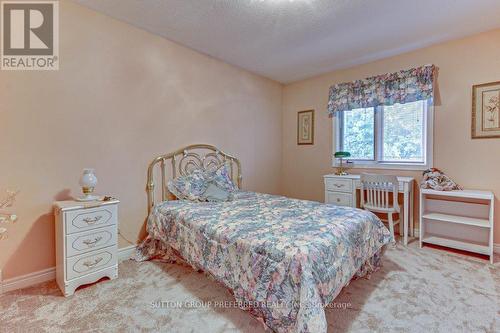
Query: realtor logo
[{"x": 29, "y": 35}]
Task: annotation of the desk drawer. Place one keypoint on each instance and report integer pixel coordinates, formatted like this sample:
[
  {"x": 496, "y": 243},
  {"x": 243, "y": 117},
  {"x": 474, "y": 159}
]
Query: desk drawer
[
  {"x": 91, "y": 218},
  {"x": 338, "y": 185},
  {"x": 338, "y": 198}
]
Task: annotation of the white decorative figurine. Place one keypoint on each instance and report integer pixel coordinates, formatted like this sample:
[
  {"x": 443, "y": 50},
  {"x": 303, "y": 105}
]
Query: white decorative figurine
[{"x": 88, "y": 181}]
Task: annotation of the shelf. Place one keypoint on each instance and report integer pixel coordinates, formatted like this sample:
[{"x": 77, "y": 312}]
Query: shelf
[
  {"x": 485, "y": 223},
  {"x": 467, "y": 194},
  {"x": 457, "y": 244}
]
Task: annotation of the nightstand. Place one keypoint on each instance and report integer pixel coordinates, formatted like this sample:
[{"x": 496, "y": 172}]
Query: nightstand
[{"x": 86, "y": 242}]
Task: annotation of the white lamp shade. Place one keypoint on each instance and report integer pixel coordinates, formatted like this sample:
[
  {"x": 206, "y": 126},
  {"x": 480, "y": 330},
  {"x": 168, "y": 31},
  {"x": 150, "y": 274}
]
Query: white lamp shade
[{"x": 88, "y": 178}]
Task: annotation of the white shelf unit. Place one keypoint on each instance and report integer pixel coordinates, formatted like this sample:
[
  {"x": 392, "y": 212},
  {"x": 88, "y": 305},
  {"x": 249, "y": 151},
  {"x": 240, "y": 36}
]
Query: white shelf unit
[{"x": 458, "y": 219}]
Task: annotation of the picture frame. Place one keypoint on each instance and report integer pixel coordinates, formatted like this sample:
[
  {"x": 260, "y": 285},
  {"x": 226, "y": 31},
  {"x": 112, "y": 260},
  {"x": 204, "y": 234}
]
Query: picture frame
[
  {"x": 305, "y": 127},
  {"x": 486, "y": 111}
]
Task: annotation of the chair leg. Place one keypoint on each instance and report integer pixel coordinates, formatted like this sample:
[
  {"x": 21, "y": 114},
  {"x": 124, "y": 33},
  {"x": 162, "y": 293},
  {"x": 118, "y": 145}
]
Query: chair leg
[{"x": 391, "y": 225}]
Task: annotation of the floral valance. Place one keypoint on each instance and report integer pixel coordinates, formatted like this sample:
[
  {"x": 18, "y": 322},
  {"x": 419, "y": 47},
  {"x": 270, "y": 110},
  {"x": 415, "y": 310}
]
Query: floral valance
[{"x": 401, "y": 87}]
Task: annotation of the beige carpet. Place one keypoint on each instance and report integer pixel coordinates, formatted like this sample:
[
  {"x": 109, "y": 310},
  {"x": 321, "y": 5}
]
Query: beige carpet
[{"x": 417, "y": 290}]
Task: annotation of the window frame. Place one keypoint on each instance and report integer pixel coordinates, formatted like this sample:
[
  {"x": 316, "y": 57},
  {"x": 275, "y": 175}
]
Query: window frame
[{"x": 376, "y": 163}]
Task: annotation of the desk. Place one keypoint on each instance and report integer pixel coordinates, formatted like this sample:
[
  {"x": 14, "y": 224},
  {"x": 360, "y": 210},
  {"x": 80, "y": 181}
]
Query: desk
[{"x": 341, "y": 190}]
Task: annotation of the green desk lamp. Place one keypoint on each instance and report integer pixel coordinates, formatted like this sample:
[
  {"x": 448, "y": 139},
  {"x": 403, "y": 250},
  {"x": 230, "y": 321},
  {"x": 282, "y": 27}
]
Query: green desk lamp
[{"x": 341, "y": 170}]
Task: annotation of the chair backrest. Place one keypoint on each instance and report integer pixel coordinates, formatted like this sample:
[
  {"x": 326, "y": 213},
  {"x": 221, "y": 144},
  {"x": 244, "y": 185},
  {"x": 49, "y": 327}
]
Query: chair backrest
[{"x": 377, "y": 188}]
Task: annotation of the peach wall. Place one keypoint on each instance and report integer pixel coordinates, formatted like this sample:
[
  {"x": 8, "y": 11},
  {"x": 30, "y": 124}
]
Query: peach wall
[
  {"x": 462, "y": 63},
  {"x": 121, "y": 97}
]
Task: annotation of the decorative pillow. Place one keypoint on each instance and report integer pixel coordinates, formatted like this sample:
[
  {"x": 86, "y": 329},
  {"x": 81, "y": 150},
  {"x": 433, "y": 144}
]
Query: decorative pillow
[
  {"x": 215, "y": 193},
  {"x": 189, "y": 187},
  {"x": 222, "y": 177},
  {"x": 436, "y": 179}
]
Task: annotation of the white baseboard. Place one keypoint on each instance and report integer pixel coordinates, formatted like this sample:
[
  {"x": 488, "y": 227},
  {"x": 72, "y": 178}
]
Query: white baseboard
[
  {"x": 126, "y": 252},
  {"x": 49, "y": 274},
  {"x": 30, "y": 279}
]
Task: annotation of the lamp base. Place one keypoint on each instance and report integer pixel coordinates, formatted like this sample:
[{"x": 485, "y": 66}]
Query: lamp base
[{"x": 88, "y": 197}]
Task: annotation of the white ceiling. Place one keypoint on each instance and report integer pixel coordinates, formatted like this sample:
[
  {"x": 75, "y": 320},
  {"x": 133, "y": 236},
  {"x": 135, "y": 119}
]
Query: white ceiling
[{"x": 288, "y": 40}]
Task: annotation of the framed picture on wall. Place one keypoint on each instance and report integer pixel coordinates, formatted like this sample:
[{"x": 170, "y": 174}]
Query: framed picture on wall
[
  {"x": 305, "y": 127},
  {"x": 486, "y": 110}
]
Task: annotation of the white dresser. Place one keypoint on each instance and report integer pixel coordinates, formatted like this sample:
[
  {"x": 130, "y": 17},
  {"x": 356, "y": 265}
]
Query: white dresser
[
  {"x": 86, "y": 242},
  {"x": 341, "y": 191}
]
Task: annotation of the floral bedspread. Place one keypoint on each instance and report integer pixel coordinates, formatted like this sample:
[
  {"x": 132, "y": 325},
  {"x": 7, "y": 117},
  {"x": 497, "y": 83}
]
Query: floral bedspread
[{"x": 284, "y": 259}]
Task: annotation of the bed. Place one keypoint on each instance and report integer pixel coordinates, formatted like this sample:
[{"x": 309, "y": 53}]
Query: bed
[{"x": 283, "y": 259}]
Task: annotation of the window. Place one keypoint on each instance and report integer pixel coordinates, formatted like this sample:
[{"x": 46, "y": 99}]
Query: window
[{"x": 397, "y": 136}]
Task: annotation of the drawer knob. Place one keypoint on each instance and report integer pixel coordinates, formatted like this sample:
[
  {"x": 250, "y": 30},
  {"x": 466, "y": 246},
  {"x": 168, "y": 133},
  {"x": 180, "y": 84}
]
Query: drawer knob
[
  {"x": 90, "y": 220},
  {"x": 338, "y": 185},
  {"x": 92, "y": 243},
  {"x": 91, "y": 264},
  {"x": 338, "y": 199}
]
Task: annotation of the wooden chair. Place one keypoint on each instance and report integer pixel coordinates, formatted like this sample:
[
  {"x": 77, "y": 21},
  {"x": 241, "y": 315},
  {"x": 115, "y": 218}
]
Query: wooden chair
[{"x": 375, "y": 196}]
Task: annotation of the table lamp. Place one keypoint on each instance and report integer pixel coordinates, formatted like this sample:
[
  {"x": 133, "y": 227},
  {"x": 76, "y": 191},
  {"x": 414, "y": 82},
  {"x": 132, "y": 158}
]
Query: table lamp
[
  {"x": 341, "y": 170},
  {"x": 88, "y": 181}
]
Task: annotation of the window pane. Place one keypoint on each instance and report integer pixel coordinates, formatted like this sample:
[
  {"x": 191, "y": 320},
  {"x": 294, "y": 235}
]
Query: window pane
[
  {"x": 358, "y": 133},
  {"x": 403, "y": 132}
]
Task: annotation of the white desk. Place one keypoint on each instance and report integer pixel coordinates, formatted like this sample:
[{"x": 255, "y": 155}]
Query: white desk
[{"x": 341, "y": 190}]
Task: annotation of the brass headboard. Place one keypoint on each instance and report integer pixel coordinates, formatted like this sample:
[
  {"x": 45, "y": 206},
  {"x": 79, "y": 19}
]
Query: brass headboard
[{"x": 184, "y": 161}]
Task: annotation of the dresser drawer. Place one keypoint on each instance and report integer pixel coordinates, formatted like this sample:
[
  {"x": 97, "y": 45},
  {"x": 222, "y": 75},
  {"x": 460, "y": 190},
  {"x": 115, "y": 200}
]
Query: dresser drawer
[
  {"x": 338, "y": 198},
  {"x": 338, "y": 185},
  {"x": 90, "y": 240},
  {"x": 91, "y": 218},
  {"x": 90, "y": 262}
]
